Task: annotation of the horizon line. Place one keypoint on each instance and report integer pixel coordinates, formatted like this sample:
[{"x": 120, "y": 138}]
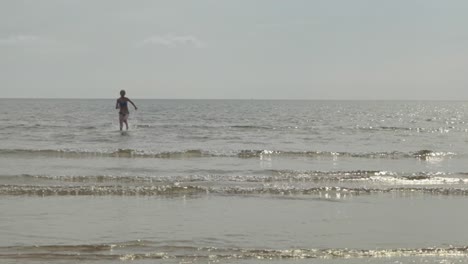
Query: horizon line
[{"x": 227, "y": 99}]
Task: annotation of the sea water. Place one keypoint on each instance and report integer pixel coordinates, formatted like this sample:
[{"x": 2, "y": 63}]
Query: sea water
[{"x": 233, "y": 181}]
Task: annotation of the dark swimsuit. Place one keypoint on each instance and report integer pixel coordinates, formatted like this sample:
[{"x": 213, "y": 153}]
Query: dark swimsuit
[{"x": 123, "y": 104}]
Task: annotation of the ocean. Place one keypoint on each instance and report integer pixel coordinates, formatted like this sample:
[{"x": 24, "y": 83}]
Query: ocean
[{"x": 233, "y": 181}]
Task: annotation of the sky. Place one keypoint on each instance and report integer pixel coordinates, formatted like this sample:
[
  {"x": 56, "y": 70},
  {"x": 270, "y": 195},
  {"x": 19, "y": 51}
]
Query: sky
[{"x": 235, "y": 49}]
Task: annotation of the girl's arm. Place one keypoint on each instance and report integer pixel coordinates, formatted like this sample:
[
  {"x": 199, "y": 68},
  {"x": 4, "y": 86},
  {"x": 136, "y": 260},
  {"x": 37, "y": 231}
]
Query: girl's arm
[
  {"x": 117, "y": 106},
  {"x": 133, "y": 104}
]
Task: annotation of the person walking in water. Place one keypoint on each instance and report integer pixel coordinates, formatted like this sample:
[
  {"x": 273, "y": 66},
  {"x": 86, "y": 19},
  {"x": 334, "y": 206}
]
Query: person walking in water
[{"x": 122, "y": 105}]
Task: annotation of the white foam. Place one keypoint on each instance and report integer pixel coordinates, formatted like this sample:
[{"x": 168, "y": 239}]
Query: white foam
[{"x": 426, "y": 181}]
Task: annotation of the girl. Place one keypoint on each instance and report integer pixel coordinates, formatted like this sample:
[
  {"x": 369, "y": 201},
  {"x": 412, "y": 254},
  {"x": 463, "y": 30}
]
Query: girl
[{"x": 122, "y": 105}]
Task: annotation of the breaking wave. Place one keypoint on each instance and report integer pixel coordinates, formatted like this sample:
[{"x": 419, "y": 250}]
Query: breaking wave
[
  {"x": 389, "y": 177},
  {"x": 141, "y": 250},
  {"x": 267, "y": 176},
  {"x": 197, "y": 153},
  {"x": 177, "y": 189}
]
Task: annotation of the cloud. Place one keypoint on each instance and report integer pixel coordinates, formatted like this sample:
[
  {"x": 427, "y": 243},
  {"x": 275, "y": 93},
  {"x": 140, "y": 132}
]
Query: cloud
[
  {"x": 172, "y": 41},
  {"x": 18, "y": 39}
]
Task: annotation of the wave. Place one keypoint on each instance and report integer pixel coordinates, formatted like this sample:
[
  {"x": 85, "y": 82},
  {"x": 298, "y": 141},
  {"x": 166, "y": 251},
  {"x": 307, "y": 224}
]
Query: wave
[
  {"x": 178, "y": 189},
  {"x": 166, "y": 190},
  {"x": 197, "y": 153},
  {"x": 269, "y": 176},
  {"x": 426, "y": 130},
  {"x": 254, "y": 127},
  {"x": 211, "y": 127},
  {"x": 147, "y": 250},
  {"x": 119, "y": 153},
  {"x": 397, "y": 178},
  {"x": 143, "y": 126}
]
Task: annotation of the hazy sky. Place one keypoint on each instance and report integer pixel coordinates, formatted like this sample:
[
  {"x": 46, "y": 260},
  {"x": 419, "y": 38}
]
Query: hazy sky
[{"x": 260, "y": 49}]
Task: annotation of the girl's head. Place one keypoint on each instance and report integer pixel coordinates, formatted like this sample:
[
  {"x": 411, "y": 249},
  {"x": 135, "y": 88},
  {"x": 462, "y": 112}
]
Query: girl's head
[{"x": 122, "y": 92}]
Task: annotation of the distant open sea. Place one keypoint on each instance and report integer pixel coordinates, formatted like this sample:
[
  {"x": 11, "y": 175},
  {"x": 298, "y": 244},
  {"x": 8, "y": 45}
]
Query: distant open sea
[{"x": 233, "y": 181}]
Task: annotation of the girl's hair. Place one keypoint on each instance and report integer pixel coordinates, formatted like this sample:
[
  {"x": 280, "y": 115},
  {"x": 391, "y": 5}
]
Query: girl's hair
[{"x": 122, "y": 92}]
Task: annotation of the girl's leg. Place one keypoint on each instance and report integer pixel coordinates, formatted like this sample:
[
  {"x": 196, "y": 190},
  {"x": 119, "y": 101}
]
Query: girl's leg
[
  {"x": 121, "y": 121},
  {"x": 125, "y": 120}
]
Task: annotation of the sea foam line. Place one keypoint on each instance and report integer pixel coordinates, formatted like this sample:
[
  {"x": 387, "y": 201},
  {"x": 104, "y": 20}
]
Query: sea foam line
[
  {"x": 178, "y": 190},
  {"x": 244, "y": 154},
  {"x": 262, "y": 176},
  {"x": 119, "y": 251}
]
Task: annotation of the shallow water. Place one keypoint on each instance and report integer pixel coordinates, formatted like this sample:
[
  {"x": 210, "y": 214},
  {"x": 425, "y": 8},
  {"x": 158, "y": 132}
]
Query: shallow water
[
  {"x": 220, "y": 227},
  {"x": 197, "y": 181}
]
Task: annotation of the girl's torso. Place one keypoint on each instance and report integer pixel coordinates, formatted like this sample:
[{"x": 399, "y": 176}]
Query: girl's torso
[{"x": 123, "y": 104}]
